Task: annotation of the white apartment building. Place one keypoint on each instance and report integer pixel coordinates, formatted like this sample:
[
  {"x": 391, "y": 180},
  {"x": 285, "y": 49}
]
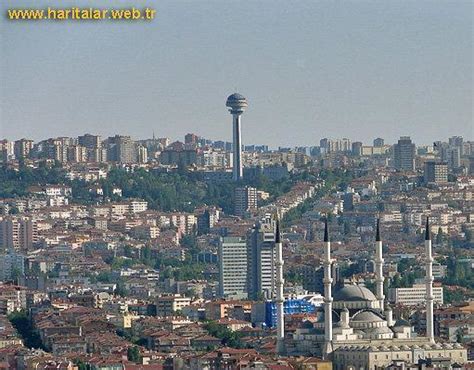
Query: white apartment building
[
  {"x": 167, "y": 305},
  {"x": 56, "y": 190},
  {"x": 137, "y": 206},
  {"x": 416, "y": 295}
]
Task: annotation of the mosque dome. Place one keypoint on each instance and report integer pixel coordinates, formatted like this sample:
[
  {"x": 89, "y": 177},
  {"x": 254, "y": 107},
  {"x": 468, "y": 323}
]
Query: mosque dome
[
  {"x": 402, "y": 322},
  {"x": 354, "y": 293},
  {"x": 367, "y": 316}
]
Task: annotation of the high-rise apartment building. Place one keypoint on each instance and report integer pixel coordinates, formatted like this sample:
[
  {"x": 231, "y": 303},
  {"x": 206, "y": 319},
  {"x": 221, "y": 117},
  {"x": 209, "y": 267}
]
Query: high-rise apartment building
[
  {"x": 357, "y": 148},
  {"x": 12, "y": 265},
  {"x": 77, "y": 153},
  {"x": 142, "y": 153},
  {"x": 207, "y": 220},
  {"x": 233, "y": 267},
  {"x": 22, "y": 148},
  {"x": 335, "y": 145},
  {"x": 452, "y": 155},
  {"x": 17, "y": 233},
  {"x": 6, "y": 150},
  {"x": 178, "y": 154},
  {"x": 191, "y": 139},
  {"x": 435, "y": 172},
  {"x": 121, "y": 149},
  {"x": 245, "y": 200},
  {"x": 457, "y": 142},
  {"x": 404, "y": 153},
  {"x": 94, "y": 149},
  {"x": 89, "y": 141}
]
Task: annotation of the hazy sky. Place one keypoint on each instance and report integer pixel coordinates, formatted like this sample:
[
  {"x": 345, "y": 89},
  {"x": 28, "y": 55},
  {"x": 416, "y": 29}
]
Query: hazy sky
[{"x": 309, "y": 69}]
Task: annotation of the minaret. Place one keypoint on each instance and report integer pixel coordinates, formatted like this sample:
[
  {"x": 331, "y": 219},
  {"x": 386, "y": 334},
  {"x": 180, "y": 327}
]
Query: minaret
[
  {"x": 429, "y": 283},
  {"x": 280, "y": 349},
  {"x": 237, "y": 104},
  {"x": 327, "y": 294},
  {"x": 379, "y": 268}
]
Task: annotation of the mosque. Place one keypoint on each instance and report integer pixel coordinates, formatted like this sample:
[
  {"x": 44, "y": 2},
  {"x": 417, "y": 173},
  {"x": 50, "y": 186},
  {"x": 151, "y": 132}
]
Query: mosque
[{"x": 356, "y": 329}]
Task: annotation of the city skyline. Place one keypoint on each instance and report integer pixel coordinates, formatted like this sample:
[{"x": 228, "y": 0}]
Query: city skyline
[
  {"x": 317, "y": 143},
  {"x": 393, "y": 69}
]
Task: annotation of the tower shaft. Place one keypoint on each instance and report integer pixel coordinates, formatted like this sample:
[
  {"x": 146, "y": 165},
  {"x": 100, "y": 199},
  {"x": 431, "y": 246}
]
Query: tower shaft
[{"x": 237, "y": 172}]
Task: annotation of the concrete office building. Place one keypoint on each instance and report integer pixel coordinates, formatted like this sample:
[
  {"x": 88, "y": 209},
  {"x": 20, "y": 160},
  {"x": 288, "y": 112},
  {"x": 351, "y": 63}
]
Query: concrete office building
[
  {"x": 414, "y": 296},
  {"x": 261, "y": 270},
  {"x": 404, "y": 154},
  {"x": 457, "y": 142},
  {"x": 233, "y": 267}
]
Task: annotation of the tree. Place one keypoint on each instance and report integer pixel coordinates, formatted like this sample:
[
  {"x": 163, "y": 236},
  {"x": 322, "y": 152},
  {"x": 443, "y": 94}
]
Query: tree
[
  {"x": 133, "y": 354},
  {"x": 229, "y": 338},
  {"x": 21, "y": 323}
]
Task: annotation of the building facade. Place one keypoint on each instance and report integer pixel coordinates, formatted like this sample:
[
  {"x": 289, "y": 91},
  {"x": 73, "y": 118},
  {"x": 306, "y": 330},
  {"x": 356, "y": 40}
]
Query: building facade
[
  {"x": 245, "y": 200},
  {"x": 404, "y": 154},
  {"x": 233, "y": 267}
]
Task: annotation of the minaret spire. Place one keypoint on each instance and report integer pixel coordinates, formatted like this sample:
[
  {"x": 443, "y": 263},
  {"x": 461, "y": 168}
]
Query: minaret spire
[
  {"x": 429, "y": 283},
  {"x": 327, "y": 281},
  {"x": 326, "y": 231},
  {"x": 427, "y": 229},
  {"x": 379, "y": 279},
  {"x": 279, "y": 291},
  {"x": 377, "y": 236}
]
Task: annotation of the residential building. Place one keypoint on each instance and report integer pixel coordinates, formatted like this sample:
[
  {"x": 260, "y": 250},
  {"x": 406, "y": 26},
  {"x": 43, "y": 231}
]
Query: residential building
[
  {"x": 17, "y": 233},
  {"x": 167, "y": 305},
  {"x": 121, "y": 149},
  {"x": 245, "y": 200},
  {"x": 22, "y": 148},
  {"x": 12, "y": 265},
  {"x": 435, "y": 172}
]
